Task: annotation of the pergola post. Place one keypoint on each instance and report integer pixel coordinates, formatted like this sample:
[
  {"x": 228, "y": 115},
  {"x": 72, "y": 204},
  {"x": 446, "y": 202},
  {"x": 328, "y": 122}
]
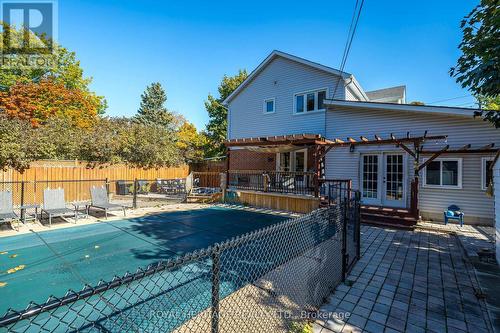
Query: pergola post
[
  {"x": 317, "y": 169},
  {"x": 228, "y": 164}
]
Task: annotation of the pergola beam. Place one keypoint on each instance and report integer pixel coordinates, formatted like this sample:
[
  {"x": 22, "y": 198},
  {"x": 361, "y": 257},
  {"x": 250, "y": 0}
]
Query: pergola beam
[
  {"x": 378, "y": 140},
  {"x": 408, "y": 150},
  {"x": 433, "y": 157},
  {"x": 488, "y": 146}
]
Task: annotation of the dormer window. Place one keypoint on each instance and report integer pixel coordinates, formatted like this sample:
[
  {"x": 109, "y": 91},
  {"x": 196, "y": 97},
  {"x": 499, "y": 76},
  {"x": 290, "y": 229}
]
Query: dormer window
[
  {"x": 269, "y": 105},
  {"x": 310, "y": 101}
]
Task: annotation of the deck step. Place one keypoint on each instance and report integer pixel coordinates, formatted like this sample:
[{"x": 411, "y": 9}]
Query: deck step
[
  {"x": 386, "y": 211},
  {"x": 389, "y": 218},
  {"x": 387, "y": 225}
]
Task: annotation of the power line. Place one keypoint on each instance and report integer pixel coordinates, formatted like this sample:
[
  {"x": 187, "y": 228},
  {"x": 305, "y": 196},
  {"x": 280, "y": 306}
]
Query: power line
[
  {"x": 347, "y": 47},
  {"x": 350, "y": 38},
  {"x": 449, "y": 99}
]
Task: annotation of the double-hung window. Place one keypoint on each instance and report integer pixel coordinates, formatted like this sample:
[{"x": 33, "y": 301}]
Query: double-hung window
[
  {"x": 310, "y": 101},
  {"x": 444, "y": 173}
]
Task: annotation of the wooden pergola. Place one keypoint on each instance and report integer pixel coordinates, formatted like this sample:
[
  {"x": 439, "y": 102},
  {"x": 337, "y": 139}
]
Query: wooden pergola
[
  {"x": 414, "y": 146},
  {"x": 315, "y": 141}
]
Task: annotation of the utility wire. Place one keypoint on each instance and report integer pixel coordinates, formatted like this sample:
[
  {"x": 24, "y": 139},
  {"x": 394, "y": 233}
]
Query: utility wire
[
  {"x": 350, "y": 37},
  {"x": 449, "y": 99},
  {"x": 347, "y": 47}
]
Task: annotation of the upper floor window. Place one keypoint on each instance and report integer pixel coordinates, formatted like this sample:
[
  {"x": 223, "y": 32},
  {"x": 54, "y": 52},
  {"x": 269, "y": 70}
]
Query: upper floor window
[
  {"x": 310, "y": 101},
  {"x": 445, "y": 173},
  {"x": 269, "y": 105}
]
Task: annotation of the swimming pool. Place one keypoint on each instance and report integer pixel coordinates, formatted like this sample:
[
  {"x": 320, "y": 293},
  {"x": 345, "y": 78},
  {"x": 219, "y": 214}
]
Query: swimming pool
[{"x": 35, "y": 266}]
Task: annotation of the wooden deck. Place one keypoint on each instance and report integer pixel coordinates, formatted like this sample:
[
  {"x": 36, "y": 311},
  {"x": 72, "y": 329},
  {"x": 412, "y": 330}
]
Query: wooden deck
[{"x": 277, "y": 201}]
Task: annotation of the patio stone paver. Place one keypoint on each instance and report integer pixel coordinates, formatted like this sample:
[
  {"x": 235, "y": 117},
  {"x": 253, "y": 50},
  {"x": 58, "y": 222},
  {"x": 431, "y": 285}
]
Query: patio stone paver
[{"x": 408, "y": 281}]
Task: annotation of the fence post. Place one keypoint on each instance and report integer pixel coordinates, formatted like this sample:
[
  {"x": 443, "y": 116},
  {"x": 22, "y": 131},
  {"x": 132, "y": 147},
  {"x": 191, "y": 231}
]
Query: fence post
[
  {"x": 106, "y": 183},
  {"x": 343, "y": 205},
  {"x": 23, "y": 211},
  {"x": 215, "y": 290},
  {"x": 134, "y": 201}
]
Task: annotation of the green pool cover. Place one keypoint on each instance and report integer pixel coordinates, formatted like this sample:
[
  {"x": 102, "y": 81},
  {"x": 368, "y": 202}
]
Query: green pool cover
[{"x": 31, "y": 271}]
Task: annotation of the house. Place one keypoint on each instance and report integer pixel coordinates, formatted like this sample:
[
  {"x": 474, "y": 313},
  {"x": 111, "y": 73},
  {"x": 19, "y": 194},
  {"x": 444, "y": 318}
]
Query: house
[{"x": 405, "y": 158}]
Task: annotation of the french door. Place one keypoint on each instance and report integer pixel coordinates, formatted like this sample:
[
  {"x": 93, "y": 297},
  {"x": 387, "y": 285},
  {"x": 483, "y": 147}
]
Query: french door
[{"x": 383, "y": 178}]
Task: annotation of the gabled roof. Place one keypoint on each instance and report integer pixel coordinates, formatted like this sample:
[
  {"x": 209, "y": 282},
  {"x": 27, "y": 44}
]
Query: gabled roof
[
  {"x": 386, "y": 94},
  {"x": 447, "y": 110},
  {"x": 273, "y": 56}
]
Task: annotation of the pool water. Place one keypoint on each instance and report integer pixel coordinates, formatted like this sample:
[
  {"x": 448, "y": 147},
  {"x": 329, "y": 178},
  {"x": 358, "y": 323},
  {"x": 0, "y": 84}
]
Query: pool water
[{"x": 35, "y": 266}]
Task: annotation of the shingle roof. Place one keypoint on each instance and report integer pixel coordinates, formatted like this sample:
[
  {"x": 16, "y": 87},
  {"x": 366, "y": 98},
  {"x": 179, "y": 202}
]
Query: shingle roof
[{"x": 387, "y": 93}]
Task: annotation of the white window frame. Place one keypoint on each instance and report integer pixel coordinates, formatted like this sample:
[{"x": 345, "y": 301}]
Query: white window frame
[
  {"x": 264, "y": 107},
  {"x": 483, "y": 171},
  {"x": 450, "y": 187},
  {"x": 305, "y": 93},
  {"x": 292, "y": 160}
]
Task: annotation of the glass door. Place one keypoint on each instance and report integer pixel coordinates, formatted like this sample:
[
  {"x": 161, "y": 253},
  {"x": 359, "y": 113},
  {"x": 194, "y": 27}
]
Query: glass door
[
  {"x": 370, "y": 179},
  {"x": 300, "y": 166},
  {"x": 394, "y": 176},
  {"x": 284, "y": 162}
]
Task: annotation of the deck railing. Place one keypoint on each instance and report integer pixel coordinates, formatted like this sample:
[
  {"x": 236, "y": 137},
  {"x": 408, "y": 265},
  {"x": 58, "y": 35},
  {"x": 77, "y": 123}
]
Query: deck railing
[
  {"x": 336, "y": 191},
  {"x": 301, "y": 183}
]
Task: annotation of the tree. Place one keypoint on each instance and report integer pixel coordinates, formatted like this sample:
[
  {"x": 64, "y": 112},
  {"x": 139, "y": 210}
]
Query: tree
[
  {"x": 490, "y": 109},
  {"x": 190, "y": 143},
  {"x": 103, "y": 142},
  {"x": 38, "y": 102},
  {"x": 217, "y": 125},
  {"x": 147, "y": 146},
  {"x": 62, "y": 67},
  {"x": 17, "y": 149},
  {"x": 152, "y": 110},
  {"x": 478, "y": 68}
]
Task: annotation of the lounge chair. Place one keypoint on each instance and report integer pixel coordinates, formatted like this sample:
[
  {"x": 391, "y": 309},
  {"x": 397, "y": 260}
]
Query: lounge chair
[
  {"x": 55, "y": 206},
  {"x": 100, "y": 201},
  {"x": 7, "y": 214}
]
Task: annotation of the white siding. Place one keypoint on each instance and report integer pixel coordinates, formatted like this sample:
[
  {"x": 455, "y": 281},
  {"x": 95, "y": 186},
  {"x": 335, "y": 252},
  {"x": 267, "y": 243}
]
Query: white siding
[
  {"x": 496, "y": 177},
  {"x": 460, "y": 130},
  {"x": 281, "y": 79}
]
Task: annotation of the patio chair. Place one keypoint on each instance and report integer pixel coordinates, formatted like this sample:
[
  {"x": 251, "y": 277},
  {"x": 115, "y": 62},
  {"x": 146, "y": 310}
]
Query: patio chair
[
  {"x": 453, "y": 213},
  {"x": 7, "y": 214},
  {"x": 55, "y": 206},
  {"x": 100, "y": 201}
]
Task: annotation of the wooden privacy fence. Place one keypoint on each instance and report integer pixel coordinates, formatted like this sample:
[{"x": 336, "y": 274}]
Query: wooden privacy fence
[
  {"x": 75, "y": 178},
  {"x": 74, "y": 170}
]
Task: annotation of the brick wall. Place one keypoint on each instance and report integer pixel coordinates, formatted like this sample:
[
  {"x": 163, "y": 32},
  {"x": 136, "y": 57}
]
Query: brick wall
[{"x": 250, "y": 160}]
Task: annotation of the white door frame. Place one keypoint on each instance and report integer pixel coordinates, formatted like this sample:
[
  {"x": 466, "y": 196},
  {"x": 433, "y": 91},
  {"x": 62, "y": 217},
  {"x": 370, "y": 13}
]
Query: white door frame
[
  {"x": 381, "y": 199},
  {"x": 292, "y": 160}
]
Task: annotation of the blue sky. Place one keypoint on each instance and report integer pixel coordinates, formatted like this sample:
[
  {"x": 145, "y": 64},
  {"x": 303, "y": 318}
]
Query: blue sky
[{"x": 189, "y": 45}]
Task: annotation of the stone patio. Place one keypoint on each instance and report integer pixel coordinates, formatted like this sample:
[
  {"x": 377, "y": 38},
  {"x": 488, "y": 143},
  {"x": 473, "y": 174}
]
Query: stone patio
[{"x": 407, "y": 281}]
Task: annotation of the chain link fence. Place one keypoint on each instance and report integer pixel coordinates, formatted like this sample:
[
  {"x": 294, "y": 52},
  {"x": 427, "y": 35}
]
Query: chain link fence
[
  {"x": 264, "y": 281},
  {"x": 141, "y": 193},
  {"x": 27, "y": 196}
]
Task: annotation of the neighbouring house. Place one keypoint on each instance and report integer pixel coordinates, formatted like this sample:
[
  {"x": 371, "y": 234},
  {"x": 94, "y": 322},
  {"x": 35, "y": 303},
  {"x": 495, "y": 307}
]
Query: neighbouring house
[{"x": 294, "y": 115}]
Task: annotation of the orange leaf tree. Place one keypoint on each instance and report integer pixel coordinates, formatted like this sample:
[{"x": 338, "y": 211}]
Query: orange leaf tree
[{"x": 37, "y": 102}]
